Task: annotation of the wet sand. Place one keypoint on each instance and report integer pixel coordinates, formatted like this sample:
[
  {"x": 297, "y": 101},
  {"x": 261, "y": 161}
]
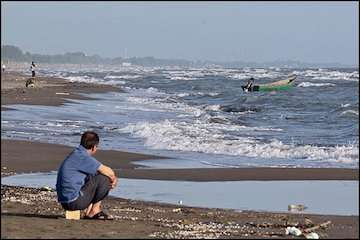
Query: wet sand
[{"x": 30, "y": 213}]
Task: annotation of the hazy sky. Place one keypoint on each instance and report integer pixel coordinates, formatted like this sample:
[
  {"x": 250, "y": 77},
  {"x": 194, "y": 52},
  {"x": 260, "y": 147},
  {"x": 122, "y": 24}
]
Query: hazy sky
[{"x": 222, "y": 31}]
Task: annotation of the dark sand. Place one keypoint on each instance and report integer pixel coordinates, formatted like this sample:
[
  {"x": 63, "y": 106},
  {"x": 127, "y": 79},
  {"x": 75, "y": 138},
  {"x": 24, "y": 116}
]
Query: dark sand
[{"x": 30, "y": 213}]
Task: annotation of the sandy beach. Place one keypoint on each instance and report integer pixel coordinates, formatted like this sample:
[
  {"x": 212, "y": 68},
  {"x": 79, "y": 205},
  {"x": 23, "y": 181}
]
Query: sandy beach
[
  {"x": 47, "y": 91},
  {"x": 22, "y": 217}
]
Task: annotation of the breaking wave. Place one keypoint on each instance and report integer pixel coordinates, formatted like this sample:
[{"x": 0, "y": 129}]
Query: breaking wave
[
  {"x": 197, "y": 137},
  {"x": 310, "y": 84}
]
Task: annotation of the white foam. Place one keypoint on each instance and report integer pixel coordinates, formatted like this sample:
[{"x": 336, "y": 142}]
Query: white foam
[
  {"x": 85, "y": 79},
  {"x": 154, "y": 99},
  {"x": 212, "y": 94},
  {"x": 354, "y": 112},
  {"x": 153, "y": 90},
  {"x": 116, "y": 82},
  {"x": 183, "y": 94},
  {"x": 324, "y": 74},
  {"x": 186, "y": 75},
  {"x": 215, "y": 107},
  {"x": 123, "y": 77},
  {"x": 255, "y": 74},
  {"x": 310, "y": 84},
  {"x": 181, "y": 78},
  {"x": 208, "y": 138},
  {"x": 260, "y": 70}
]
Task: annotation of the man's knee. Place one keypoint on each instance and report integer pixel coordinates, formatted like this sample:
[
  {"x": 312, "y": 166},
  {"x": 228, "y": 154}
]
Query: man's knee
[
  {"x": 104, "y": 180},
  {"x": 102, "y": 189}
]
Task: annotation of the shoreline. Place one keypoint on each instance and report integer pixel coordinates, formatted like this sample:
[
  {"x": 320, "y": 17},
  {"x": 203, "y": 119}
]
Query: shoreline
[{"x": 32, "y": 213}]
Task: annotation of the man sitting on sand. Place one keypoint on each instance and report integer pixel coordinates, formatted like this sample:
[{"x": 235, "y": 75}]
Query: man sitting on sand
[{"x": 82, "y": 181}]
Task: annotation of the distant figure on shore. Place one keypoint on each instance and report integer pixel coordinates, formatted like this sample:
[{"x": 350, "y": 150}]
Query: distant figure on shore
[
  {"x": 82, "y": 181},
  {"x": 3, "y": 68},
  {"x": 32, "y": 68}
]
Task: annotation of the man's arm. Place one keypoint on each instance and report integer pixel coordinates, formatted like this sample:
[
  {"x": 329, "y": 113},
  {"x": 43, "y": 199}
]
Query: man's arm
[{"x": 109, "y": 173}]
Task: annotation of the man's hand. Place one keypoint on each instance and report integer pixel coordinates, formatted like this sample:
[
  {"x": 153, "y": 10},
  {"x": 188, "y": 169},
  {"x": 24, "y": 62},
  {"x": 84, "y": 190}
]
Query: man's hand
[{"x": 113, "y": 181}]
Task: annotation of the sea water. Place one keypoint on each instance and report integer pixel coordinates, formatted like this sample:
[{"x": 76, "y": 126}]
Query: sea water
[
  {"x": 319, "y": 197},
  {"x": 200, "y": 117}
]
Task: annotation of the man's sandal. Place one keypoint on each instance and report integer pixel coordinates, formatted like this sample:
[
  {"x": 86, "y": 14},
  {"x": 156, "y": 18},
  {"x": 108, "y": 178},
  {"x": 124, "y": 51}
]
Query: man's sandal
[{"x": 100, "y": 216}]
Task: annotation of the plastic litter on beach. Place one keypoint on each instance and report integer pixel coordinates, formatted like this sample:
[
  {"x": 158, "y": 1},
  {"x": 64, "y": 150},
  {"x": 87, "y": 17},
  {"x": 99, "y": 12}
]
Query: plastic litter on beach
[
  {"x": 62, "y": 93},
  {"x": 296, "y": 207},
  {"x": 293, "y": 231},
  {"x": 176, "y": 210},
  {"x": 307, "y": 232},
  {"x": 322, "y": 225},
  {"x": 46, "y": 188},
  {"x": 72, "y": 215},
  {"x": 312, "y": 235}
]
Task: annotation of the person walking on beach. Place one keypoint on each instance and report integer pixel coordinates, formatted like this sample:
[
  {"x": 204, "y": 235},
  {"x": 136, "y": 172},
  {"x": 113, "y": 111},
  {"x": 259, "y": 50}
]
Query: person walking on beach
[
  {"x": 83, "y": 182},
  {"x": 3, "y": 68},
  {"x": 32, "y": 68}
]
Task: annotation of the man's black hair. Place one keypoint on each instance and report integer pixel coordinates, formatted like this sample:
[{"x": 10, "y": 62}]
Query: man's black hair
[{"x": 89, "y": 139}]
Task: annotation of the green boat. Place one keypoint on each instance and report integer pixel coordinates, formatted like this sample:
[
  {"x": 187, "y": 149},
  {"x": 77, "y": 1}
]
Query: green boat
[{"x": 285, "y": 84}]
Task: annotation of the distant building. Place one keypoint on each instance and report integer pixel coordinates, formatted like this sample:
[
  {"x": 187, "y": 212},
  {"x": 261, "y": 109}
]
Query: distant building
[{"x": 126, "y": 64}]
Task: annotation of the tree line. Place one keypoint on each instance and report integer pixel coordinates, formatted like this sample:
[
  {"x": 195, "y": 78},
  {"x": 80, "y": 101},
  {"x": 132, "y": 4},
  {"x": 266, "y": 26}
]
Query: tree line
[{"x": 14, "y": 53}]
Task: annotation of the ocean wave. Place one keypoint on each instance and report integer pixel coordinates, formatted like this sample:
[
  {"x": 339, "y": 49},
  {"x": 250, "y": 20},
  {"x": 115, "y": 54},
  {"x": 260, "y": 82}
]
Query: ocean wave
[
  {"x": 185, "y": 78},
  {"x": 310, "y": 84},
  {"x": 115, "y": 82},
  {"x": 240, "y": 109},
  {"x": 345, "y": 105},
  {"x": 256, "y": 75},
  {"x": 182, "y": 136},
  {"x": 351, "y": 112},
  {"x": 210, "y": 94},
  {"x": 154, "y": 90},
  {"x": 122, "y": 77},
  {"x": 166, "y": 104},
  {"x": 183, "y": 94},
  {"x": 215, "y": 107},
  {"x": 85, "y": 79},
  {"x": 186, "y": 75},
  {"x": 324, "y": 74},
  {"x": 349, "y": 109}
]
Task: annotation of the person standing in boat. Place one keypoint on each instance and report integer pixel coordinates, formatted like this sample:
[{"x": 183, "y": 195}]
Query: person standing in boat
[{"x": 250, "y": 83}]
